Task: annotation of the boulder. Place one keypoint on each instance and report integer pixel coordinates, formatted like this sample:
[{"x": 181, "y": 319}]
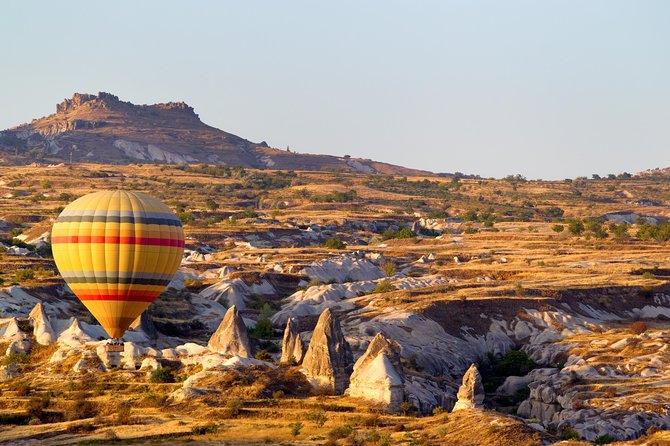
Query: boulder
[
  {"x": 471, "y": 393},
  {"x": 328, "y": 360},
  {"x": 378, "y": 374},
  {"x": 150, "y": 364},
  {"x": 292, "y": 349},
  {"x": 231, "y": 337}
]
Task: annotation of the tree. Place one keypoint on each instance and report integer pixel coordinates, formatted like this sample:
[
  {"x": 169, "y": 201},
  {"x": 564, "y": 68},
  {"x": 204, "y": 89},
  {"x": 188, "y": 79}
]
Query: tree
[
  {"x": 576, "y": 227},
  {"x": 558, "y": 228}
]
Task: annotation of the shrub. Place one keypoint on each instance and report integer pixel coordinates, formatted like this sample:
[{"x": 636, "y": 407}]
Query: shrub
[
  {"x": 209, "y": 428},
  {"x": 23, "y": 275},
  {"x": 162, "y": 375},
  {"x": 333, "y": 243},
  {"x": 340, "y": 432},
  {"x": 469, "y": 229},
  {"x": 296, "y": 428},
  {"x": 638, "y": 327},
  {"x": 234, "y": 407},
  {"x": 14, "y": 358},
  {"x": 516, "y": 363},
  {"x": 211, "y": 204},
  {"x": 575, "y": 227},
  {"x": 263, "y": 356},
  {"x": 558, "y": 228},
  {"x": 569, "y": 433},
  {"x": 318, "y": 417},
  {"x": 388, "y": 267},
  {"x": 404, "y": 233},
  {"x": 604, "y": 439},
  {"x": 383, "y": 287},
  {"x": 263, "y": 329}
]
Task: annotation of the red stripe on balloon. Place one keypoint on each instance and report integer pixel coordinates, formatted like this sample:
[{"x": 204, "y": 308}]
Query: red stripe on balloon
[
  {"x": 117, "y": 240},
  {"x": 134, "y": 297}
]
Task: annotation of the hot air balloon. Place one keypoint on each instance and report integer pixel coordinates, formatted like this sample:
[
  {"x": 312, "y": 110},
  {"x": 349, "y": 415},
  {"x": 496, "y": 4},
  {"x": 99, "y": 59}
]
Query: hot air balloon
[{"x": 117, "y": 251}]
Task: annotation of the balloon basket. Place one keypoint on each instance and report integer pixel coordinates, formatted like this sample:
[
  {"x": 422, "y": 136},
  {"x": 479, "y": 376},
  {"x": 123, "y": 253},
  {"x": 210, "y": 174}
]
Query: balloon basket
[{"x": 114, "y": 346}]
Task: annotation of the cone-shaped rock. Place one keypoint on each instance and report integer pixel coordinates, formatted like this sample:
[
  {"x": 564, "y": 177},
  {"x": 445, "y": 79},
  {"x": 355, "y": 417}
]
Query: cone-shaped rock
[
  {"x": 471, "y": 393},
  {"x": 231, "y": 337},
  {"x": 292, "y": 349},
  {"x": 378, "y": 374},
  {"x": 42, "y": 329},
  {"x": 328, "y": 360}
]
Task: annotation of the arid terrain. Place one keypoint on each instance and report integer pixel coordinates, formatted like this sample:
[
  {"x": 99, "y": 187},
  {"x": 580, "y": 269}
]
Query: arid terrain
[{"x": 355, "y": 305}]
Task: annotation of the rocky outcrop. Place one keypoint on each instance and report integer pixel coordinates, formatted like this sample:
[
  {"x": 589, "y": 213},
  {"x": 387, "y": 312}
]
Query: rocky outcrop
[
  {"x": 471, "y": 393},
  {"x": 292, "y": 349},
  {"x": 145, "y": 325},
  {"x": 378, "y": 374},
  {"x": 42, "y": 329},
  {"x": 231, "y": 337},
  {"x": 18, "y": 341},
  {"x": 328, "y": 360},
  {"x": 344, "y": 268}
]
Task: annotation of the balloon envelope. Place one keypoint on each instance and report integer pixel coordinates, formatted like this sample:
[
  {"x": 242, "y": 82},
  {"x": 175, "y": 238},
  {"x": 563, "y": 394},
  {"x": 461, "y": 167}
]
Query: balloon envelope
[{"x": 117, "y": 251}]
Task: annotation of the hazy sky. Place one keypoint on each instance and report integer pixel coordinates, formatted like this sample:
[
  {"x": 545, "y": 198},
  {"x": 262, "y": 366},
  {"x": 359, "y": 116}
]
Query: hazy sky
[{"x": 548, "y": 89}]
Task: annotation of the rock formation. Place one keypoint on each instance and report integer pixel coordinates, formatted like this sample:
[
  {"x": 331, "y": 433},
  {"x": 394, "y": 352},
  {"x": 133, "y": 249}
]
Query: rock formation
[
  {"x": 18, "y": 341},
  {"x": 471, "y": 393},
  {"x": 103, "y": 128},
  {"x": 42, "y": 329},
  {"x": 144, "y": 324},
  {"x": 378, "y": 374},
  {"x": 231, "y": 337},
  {"x": 328, "y": 360},
  {"x": 292, "y": 349}
]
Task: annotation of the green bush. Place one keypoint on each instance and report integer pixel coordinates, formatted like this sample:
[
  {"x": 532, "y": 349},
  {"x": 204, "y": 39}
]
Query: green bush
[
  {"x": 401, "y": 234},
  {"x": 604, "y": 439},
  {"x": 649, "y": 232},
  {"x": 263, "y": 329},
  {"x": 162, "y": 375},
  {"x": 569, "y": 433},
  {"x": 296, "y": 428},
  {"x": 383, "y": 287},
  {"x": 515, "y": 363},
  {"x": 339, "y": 432},
  {"x": 318, "y": 417},
  {"x": 557, "y": 228},
  {"x": 14, "y": 358},
  {"x": 333, "y": 243},
  {"x": 575, "y": 227}
]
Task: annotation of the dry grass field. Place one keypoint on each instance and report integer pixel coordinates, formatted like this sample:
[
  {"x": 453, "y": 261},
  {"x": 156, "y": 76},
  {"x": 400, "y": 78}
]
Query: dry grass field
[{"x": 507, "y": 254}]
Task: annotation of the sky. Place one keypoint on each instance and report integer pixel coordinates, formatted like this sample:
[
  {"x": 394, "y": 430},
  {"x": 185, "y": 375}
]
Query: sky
[{"x": 547, "y": 89}]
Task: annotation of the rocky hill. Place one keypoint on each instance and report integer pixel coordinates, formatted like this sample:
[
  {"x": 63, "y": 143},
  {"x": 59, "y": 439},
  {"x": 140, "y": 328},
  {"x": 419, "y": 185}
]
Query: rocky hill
[
  {"x": 104, "y": 129},
  {"x": 665, "y": 171}
]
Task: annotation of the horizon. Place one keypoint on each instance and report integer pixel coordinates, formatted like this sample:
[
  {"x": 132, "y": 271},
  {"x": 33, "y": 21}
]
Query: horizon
[{"x": 561, "y": 91}]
